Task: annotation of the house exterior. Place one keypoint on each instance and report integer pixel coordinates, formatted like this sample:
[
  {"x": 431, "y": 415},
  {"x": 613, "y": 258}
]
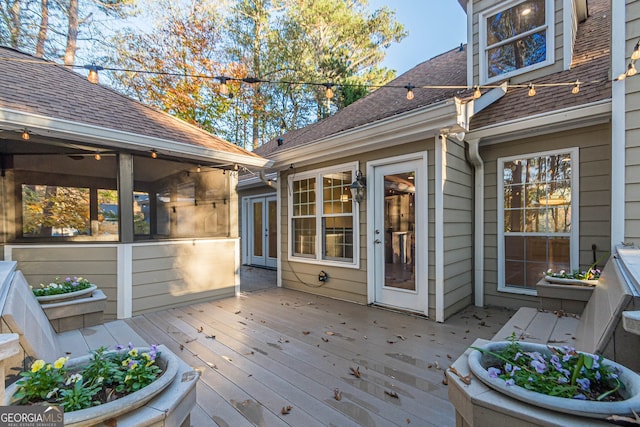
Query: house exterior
[
  {"x": 95, "y": 184},
  {"x": 468, "y": 200}
]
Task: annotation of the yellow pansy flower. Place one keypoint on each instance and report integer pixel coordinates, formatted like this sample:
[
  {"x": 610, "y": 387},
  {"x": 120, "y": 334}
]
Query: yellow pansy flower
[
  {"x": 133, "y": 352},
  {"x": 58, "y": 364},
  {"x": 37, "y": 365}
]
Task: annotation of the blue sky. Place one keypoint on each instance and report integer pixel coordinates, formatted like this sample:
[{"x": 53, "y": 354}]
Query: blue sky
[{"x": 434, "y": 26}]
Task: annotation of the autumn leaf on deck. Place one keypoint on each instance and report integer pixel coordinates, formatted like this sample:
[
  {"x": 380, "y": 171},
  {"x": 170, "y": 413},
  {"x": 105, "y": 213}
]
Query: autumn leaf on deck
[
  {"x": 329, "y": 333},
  {"x": 391, "y": 393},
  {"x": 355, "y": 372},
  {"x": 464, "y": 379},
  {"x": 401, "y": 337},
  {"x": 285, "y": 410},
  {"x": 325, "y": 339},
  {"x": 337, "y": 394},
  {"x": 200, "y": 329},
  {"x": 306, "y": 332}
]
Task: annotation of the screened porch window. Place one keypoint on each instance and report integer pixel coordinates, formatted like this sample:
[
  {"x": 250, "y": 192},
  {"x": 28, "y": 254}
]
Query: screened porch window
[
  {"x": 516, "y": 37},
  {"x": 55, "y": 211},
  {"x": 537, "y": 211}
]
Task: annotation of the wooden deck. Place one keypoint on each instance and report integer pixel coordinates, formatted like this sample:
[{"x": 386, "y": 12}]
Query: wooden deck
[{"x": 277, "y": 348}]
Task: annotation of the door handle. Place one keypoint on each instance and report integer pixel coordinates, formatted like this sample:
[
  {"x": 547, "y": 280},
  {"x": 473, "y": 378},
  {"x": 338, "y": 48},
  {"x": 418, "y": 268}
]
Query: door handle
[{"x": 377, "y": 241}]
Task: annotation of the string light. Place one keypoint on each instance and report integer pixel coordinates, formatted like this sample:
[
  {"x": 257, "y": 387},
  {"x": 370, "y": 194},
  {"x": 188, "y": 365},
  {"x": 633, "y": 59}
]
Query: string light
[
  {"x": 93, "y": 73},
  {"x": 532, "y": 90},
  {"x": 25, "y": 135},
  {"x": 97, "y": 156},
  {"x": 576, "y": 88},
  {"x": 631, "y": 70},
  {"x": 223, "y": 88},
  {"x": 329, "y": 87},
  {"x": 636, "y": 52},
  {"x": 198, "y": 169},
  {"x": 476, "y": 92},
  {"x": 154, "y": 154},
  {"x": 410, "y": 94},
  {"x": 236, "y": 167},
  {"x": 328, "y": 91}
]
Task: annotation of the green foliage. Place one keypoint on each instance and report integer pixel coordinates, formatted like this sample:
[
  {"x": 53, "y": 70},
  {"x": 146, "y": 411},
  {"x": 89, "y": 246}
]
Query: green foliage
[
  {"x": 337, "y": 41},
  {"x": 79, "y": 395},
  {"x": 41, "y": 382}
]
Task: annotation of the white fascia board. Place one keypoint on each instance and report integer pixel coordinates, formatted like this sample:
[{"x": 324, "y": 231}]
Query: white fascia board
[
  {"x": 112, "y": 138},
  {"x": 407, "y": 127},
  {"x": 545, "y": 123},
  {"x": 256, "y": 181}
]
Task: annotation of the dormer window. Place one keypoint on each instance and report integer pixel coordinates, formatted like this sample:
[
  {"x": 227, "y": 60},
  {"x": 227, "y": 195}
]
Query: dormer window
[{"x": 515, "y": 37}]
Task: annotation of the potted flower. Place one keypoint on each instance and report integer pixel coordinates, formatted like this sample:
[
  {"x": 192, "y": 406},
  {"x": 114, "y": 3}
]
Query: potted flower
[
  {"x": 557, "y": 378},
  {"x": 64, "y": 289},
  {"x": 96, "y": 387}
]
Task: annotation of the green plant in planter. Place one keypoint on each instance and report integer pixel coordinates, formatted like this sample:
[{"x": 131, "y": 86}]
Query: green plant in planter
[
  {"x": 109, "y": 375},
  {"x": 59, "y": 286}
]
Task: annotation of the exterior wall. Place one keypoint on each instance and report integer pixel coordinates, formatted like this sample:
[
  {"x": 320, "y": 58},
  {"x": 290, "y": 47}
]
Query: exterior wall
[
  {"x": 594, "y": 196},
  {"x": 458, "y": 229},
  {"x": 170, "y": 274},
  {"x": 632, "y": 137},
  {"x": 349, "y": 283},
  {"x": 97, "y": 263},
  {"x": 482, "y": 5}
]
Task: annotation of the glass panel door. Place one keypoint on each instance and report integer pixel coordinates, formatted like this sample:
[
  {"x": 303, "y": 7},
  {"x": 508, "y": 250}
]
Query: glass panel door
[{"x": 398, "y": 192}]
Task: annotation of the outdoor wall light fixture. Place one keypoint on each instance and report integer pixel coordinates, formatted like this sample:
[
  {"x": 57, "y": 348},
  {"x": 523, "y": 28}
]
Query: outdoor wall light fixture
[{"x": 358, "y": 187}]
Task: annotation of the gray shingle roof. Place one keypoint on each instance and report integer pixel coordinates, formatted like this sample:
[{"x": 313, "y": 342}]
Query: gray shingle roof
[
  {"x": 41, "y": 87},
  {"x": 590, "y": 63}
]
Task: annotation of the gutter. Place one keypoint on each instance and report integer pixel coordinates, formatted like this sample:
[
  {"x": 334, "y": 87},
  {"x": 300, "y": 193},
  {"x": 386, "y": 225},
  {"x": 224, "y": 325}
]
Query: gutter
[
  {"x": 87, "y": 133},
  {"x": 399, "y": 129}
]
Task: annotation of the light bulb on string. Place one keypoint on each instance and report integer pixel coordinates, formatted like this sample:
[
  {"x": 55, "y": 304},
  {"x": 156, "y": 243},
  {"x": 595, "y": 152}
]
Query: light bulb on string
[
  {"x": 223, "y": 88},
  {"x": 631, "y": 70},
  {"x": 410, "y": 94},
  {"x": 154, "y": 154},
  {"x": 25, "y": 135},
  {"x": 198, "y": 169},
  {"x": 532, "y": 90},
  {"x": 328, "y": 91},
  {"x": 476, "y": 92},
  {"x": 576, "y": 88},
  {"x": 93, "y": 73},
  {"x": 636, "y": 52},
  {"x": 98, "y": 156}
]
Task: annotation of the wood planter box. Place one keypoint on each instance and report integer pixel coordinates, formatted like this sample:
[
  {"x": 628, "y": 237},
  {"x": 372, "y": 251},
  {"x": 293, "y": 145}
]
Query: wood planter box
[
  {"x": 78, "y": 313},
  {"x": 570, "y": 297}
]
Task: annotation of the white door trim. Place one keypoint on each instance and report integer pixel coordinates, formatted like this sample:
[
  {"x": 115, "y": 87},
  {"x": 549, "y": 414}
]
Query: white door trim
[{"x": 421, "y": 232}]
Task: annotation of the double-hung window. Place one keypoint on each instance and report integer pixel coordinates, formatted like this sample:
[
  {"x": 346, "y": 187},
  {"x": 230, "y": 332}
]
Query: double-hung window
[
  {"x": 323, "y": 216},
  {"x": 537, "y": 217},
  {"x": 515, "y": 37}
]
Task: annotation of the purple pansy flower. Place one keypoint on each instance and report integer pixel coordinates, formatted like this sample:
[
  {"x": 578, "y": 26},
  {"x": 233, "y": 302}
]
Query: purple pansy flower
[
  {"x": 584, "y": 383},
  {"x": 494, "y": 372}
]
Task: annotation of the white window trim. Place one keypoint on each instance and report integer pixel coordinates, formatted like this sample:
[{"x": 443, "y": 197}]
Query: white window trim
[
  {"x": 482, "y": 25},
  {"x": 574, "y": 234},
  {"x": 317, "y": 173}
]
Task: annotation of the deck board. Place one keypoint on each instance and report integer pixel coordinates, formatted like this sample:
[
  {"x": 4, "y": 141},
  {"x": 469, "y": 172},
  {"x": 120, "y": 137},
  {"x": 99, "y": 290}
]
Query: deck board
[{"x": 281, "y": 347}]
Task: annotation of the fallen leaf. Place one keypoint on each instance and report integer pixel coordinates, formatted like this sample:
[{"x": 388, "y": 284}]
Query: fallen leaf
[
  {"x": 249, "y": 354},
  {"x": 329, "y": 333},
  {"x": 190, "y": 340},
  {"x": 306, "y": 332},
  {"x": 464, "y": 379},
  {"x": 325, "y": 339},
  {"x": 408, "y": 421},
  {"x": 285, "y": 410},
  {"x": 449, "y": 356},
  {"x": 392, "y": 394},
  {"x": 181, "y": 347},
  {"x": 391, "y": 341},
  {"x": 227, "y": 358},
  {"x": 282, "y": 340},
  {"x": 355, "y": 372},
  {"x": 401, "y": 337},
  {"x": 211, "y": 337},
  {"x": 337, "y": 394},
  {"x": 200, "y": 329},
  {"x": 238, "y": 312}
]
